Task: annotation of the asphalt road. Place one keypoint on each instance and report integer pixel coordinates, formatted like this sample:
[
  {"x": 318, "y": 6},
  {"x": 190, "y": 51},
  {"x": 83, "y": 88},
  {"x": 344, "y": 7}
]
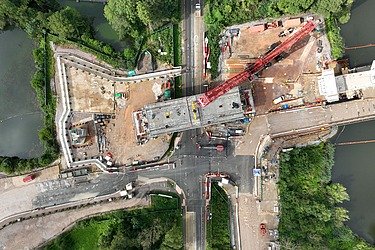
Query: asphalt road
[
  {"x": 302, "y": 120},
  {"x": 187, "y": 167},
  {"x": 191, "y": 166},
  {"x": 188, "y": 77},
  {"x": 191, "y": 163},
  {"x": 62, "y": 200}
]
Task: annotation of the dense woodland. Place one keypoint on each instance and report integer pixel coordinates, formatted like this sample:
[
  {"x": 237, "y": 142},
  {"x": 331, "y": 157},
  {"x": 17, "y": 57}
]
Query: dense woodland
[
  {"x": 221, "y": 13},
  {"x": 157, "y": 227},
  {"x": 310, "y": 215}
]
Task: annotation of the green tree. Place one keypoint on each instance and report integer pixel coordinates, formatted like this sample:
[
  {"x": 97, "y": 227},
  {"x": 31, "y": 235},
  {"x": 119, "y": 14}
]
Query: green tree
[
  {"x": 132, "y": 17},
  {"x": 3, "y": 21},
  {"x": 6, "y": 165},
  {"x": 294, "y": 6},
  {"x": 68, "y": 23},
  {"x": 340, "y": 215},
  {"x": 307, "y": 200},
  {"x": 123, "y": 17},
  {"x": 120, "y": 241},
  {"x": 144, "y": 14},
  {"x": 173, "y": 239},
  {"x": 334, "y": 37},
  {"x": 326, "y": 7},
  {"x": 155, "y": 13},
  {"x": 129, "y": 53},
  {"x": 337, "y": 193}
]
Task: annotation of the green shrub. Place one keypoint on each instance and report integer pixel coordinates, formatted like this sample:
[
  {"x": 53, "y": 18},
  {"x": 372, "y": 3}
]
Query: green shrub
[{"x": 334, "y": 37}]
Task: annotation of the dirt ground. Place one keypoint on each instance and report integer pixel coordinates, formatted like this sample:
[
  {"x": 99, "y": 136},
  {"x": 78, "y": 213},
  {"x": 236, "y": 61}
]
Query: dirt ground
[
  {"x": 90, "y": 93},
  {"x": 121, "y": 133},
  {"x": 295, "y": 75},
  {"x": 288, "y": 77}
]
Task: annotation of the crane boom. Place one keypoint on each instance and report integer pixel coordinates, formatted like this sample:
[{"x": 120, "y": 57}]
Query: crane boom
[{"x": 259, "y": 64}]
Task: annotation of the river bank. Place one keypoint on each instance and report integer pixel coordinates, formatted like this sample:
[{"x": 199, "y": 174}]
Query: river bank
[{"x": 358, "y": 32}]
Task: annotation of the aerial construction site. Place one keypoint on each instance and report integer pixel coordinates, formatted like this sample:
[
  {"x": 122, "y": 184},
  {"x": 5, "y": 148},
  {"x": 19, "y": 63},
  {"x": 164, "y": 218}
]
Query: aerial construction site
[
  {"x": 277, "y": 87},
  {"x": 112, "y": 111},
  {"x": 119, "y": 121}
]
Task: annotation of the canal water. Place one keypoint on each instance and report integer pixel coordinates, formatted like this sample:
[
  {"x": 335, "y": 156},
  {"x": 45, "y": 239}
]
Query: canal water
[
  {"x": 95, "y": 13},
  {"x": 360, "y": 31},
  {"x": 355, "y": 164},
  {"x": 20, "y": 115}
]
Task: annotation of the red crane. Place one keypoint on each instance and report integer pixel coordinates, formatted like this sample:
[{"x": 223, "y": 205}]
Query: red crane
[{"x": 259, "y": 64}]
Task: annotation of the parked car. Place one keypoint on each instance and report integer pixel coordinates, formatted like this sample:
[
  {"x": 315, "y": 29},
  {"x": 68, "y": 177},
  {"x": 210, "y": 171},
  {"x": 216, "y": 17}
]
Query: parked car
[{"x": 28, "y": 178}]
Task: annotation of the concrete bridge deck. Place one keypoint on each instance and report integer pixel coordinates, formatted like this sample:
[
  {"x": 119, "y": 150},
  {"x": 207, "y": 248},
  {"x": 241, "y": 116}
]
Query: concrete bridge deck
[{"x": 315, "y": 118}]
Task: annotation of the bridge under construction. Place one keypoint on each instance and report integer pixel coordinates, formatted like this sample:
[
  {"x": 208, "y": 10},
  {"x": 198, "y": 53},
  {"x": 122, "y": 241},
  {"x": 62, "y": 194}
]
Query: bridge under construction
[
  {"x": 184, "y": 113},
  {"x": 219, "y": 105}
]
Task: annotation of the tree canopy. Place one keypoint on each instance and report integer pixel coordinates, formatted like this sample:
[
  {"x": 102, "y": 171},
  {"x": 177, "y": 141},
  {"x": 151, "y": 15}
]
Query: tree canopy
[
  {"x": 135, "y": 18},
  {"x": 68, "y": 23}
]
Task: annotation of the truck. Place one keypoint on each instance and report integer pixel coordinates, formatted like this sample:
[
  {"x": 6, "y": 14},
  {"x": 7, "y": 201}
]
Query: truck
[
  {"x": 28, "y": 178},
  {"x": 278, "y": 99},
  {"x": 218, "y": 147}
]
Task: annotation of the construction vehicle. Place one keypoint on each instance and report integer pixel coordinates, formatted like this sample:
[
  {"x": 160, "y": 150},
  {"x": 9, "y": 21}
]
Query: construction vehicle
[
  {"x": 218, "y": 147},
  {"x": 254, "y": 68}
]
